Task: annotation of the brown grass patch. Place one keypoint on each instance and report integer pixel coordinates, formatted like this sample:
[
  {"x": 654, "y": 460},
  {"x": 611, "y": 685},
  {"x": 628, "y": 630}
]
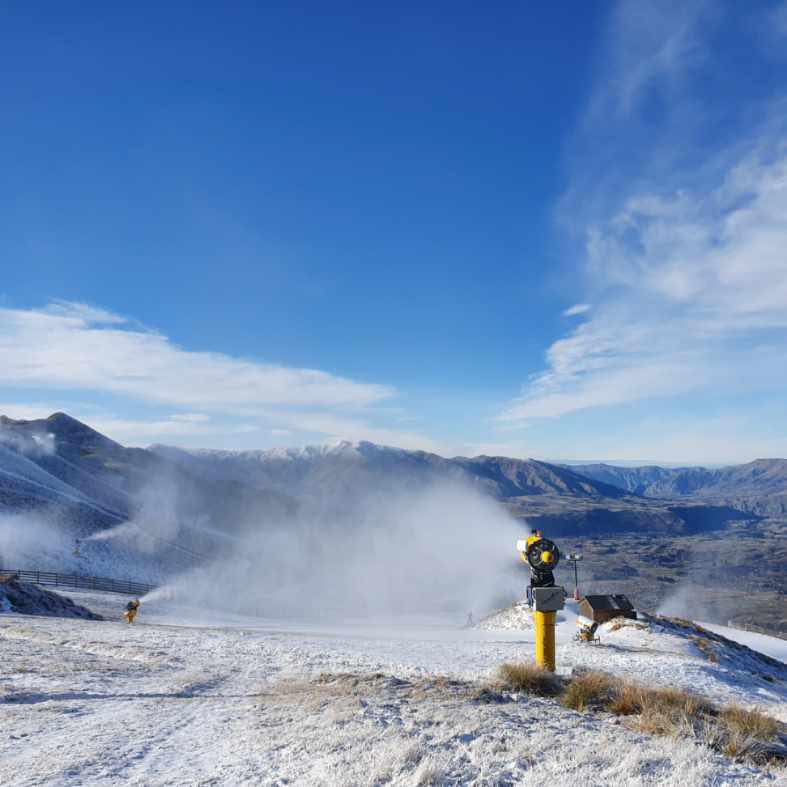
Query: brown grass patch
[
  {"x": 749, "y": 722},
  {"x": 591, "y": 690},
  {"x": 529, "y": 678},
  {"x": 672, "y": 712},
  {"x": 659, "y": 707},
  {"x": 732, "y": 730},
  {"x": 705, "y": 648},
  {"x": 748, "y": 733},
  {"x": 676, "y": 713}
]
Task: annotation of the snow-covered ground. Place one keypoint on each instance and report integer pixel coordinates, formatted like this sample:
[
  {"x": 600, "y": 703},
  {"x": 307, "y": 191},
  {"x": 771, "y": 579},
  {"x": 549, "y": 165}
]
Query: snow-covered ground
[
  {"x": 182, "y": 697},
  {"x": 771, "y": 646}
]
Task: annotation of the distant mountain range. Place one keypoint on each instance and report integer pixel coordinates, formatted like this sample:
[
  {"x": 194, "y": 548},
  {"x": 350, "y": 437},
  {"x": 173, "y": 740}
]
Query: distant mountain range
[
  {"x": 758, "y": 487},
  {"x": 65, "y": 468},
  {"x": 322, "y": 470},
  {"x": 563, "y": 499}
]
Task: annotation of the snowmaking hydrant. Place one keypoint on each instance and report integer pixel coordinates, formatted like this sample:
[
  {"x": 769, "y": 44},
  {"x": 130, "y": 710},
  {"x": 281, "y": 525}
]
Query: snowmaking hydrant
[{"x": 546, "y": 599}]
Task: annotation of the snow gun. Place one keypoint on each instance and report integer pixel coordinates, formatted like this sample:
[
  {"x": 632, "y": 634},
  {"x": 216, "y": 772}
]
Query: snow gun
[{"x": 546, "y": 599}]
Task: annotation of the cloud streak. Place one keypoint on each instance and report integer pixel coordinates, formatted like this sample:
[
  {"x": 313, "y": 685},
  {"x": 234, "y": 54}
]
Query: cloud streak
[
  {"x": 77, "y": 347},
  {"x": 71, "y": 346},
  {"x": 686, "y": 269}
]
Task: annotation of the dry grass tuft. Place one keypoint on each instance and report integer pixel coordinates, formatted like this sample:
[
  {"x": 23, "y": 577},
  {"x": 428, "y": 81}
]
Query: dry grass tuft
[
  {"x": 676, "y": 713},
  {"x": 705, "y": 648},
  {"x": 591, "y": 690},
  {"x": 627, "y": 701},
  {"x": 749, "y": 722},
  {"x": 733, "y": 730},
  {"x": 672, "y": 712},
  {"x": 529, "y": 678}
]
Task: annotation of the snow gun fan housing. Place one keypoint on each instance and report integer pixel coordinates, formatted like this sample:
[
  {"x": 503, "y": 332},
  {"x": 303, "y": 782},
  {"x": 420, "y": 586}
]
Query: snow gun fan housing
[{"x": 541, "y": 554}]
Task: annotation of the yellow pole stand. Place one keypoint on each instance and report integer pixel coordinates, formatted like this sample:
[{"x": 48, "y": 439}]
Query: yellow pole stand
[{"x": 545, "y": 639}]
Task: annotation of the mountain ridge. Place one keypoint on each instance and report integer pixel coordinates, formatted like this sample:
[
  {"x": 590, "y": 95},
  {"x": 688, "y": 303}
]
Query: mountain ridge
[
  {"x": 759, "y": 486},
  {"x": 63, "y": 462}
]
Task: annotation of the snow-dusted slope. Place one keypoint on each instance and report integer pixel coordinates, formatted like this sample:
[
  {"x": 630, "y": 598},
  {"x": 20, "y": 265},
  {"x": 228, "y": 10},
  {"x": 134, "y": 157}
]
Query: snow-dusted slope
[
  {"x": 774, "y": 647},
  {"x": 169, "y": 702},
  {"x": 662, "y": 652}
]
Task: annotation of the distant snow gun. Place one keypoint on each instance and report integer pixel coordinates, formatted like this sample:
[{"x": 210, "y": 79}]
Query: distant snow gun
[
  {"x": 543, "y": 596},
  {"x": 587, "y": 630},
  {"x": 132, "y": 608}
]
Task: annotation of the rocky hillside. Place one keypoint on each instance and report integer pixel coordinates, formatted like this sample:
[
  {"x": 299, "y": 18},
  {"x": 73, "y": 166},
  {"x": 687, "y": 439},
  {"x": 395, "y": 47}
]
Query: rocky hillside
[{"x": 25, "y": 598}]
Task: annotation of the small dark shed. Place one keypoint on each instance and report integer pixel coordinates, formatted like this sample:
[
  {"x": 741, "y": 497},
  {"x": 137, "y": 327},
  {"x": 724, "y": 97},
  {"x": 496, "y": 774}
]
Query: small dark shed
[{"x": 600, "y": 609}]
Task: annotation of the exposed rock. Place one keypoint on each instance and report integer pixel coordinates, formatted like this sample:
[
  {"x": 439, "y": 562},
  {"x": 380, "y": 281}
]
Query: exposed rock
[{"x": 27, "y": 599}]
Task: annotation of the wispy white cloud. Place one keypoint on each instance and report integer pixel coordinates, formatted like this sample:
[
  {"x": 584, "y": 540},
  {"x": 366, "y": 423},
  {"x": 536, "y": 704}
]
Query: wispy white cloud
[
  {"x": 338, "y": 427},
  {"x": 686, "y": 267},
  {"x": 191, "y": 418},
  {"x": 696, "y": 297},
  {"x": 143, "y": 431},
  {"x": 777, "y": 19},
  {"x": 83, "y": 313},
  {"x": 648, "y": 46},
  {"x": 28, "y": 411},
  {"x": 75, "y": 347},
  {"x": 576, "y": 309}
]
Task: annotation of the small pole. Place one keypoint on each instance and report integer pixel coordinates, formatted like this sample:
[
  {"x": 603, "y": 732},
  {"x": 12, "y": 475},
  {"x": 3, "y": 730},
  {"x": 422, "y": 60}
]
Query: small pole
[{"x": 575, "y": 557}]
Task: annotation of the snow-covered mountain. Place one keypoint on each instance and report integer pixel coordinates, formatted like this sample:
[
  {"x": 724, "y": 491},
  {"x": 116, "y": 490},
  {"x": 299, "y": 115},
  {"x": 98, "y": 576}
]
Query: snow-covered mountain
[
  {"x": 333, "y": 478},
  {"x": 309, "y": 470},
  {"x": 65, "y": 470},
  {"x": 64, "y": 467}
]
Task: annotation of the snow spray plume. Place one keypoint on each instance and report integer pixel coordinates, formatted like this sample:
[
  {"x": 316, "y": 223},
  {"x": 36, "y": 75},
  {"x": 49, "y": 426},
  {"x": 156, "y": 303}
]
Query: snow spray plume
[
  {"x": 707, "y": 593},
  {"x": 442, "y": 550},
  {"x": 155, "y": 519},
  {"x": 154, "y": 525},
  {"x": 28, "y": 541},
  {"x": 32, "y": 445}
]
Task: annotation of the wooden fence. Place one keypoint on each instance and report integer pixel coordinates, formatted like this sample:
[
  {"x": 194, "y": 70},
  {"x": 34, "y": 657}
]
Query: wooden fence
[{"x": 78, "y": 582}]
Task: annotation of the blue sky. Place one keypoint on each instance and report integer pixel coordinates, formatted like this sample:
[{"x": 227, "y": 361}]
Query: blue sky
[{"x": 503, "y": 229}]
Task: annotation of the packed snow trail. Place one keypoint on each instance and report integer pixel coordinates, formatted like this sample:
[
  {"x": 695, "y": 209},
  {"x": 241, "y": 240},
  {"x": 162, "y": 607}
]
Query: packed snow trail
[{"x": 155, "y": 703}]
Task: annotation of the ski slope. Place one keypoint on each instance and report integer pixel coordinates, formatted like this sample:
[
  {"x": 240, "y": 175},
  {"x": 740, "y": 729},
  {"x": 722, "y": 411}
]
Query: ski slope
[{"x": 185, "y": 697}]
